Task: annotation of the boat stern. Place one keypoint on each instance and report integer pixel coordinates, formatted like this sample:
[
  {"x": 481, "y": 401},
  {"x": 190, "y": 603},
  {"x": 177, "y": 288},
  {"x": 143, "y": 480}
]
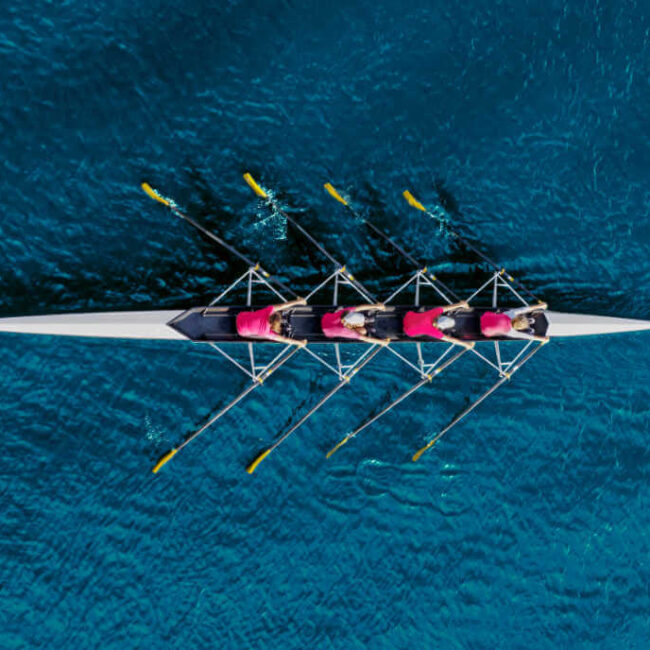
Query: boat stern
[{"x": 114, "y": 325}]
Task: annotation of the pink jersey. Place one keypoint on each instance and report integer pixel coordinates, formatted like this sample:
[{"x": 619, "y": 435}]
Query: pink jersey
[
  {"x": 333, "y": 327},
  {"x": 493, "y": 324},
  {"x": 420, "y": 324},
  {"x": 255, "y": 324}
]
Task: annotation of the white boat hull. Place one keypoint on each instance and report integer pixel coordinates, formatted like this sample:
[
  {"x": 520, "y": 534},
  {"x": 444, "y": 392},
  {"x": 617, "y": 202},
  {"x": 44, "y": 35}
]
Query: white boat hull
[
  {"x": 115, "y": 325},
  {"x": 154, "y": 325},
  {"x": 562, "y": 324}
]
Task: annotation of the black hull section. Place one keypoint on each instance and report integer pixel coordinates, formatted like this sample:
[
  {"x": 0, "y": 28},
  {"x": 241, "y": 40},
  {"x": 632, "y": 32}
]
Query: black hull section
[{"x": 218, "y": 324}]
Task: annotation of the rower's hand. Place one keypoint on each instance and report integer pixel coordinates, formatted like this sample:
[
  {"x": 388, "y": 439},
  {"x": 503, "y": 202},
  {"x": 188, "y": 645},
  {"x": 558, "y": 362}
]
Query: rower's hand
[
  {"x": 464, "y": 304},
  {"x": 541, "y": 305},
  {"x": 379, "y": 306},
  {"x": 302, "y": 343},
  {"x": 468, "y": 345},
  {"x": 301, "y": 301},
  {"x": 384, "y": 342}
]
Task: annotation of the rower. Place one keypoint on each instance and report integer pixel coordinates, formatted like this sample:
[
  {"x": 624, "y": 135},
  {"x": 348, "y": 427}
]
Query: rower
[
  {"x": 350, "y": 323},
  {"x": 266, "y": 324},
  {"x": 435, "y": 323},
  {"x": 513, "y": 323}
]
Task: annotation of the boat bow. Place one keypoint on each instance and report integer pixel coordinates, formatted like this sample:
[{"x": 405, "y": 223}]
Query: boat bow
[{"x": 563, "y": 324}]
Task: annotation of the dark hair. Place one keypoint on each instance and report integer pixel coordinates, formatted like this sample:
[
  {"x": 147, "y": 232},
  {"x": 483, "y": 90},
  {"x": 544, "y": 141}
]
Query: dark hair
[{"x": 275, "y": 321}]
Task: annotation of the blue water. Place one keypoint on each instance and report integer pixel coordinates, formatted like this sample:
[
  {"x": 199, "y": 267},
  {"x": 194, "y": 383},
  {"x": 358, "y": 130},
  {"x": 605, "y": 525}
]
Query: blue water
[{"x": 526, "y": 527}]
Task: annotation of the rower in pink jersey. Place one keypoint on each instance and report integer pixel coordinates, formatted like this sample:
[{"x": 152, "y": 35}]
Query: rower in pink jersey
[
  {"x": 350, "y": 323},
  {"x": 513, "y": 323},
  {"x": 434, "y": 323},
  {"x": 266, "y": 324}
]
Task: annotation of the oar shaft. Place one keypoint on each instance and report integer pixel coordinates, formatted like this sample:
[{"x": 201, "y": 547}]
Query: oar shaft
[
  {"x": 394, "y": 403},
  {"x": 391, "y": 406},
  {"x": 307, "y": 415},
  {"x": 484, "y": 257},
  {"x": 256, "y": 384},
  {"x": 474, "y": 404},
  {"x": 457, "y": 419},
  {"x": 215, "y": 238},
  {"x": 312, "y": 239},
  {"x": 469, "y": 409},
  {"x": 534, "y": 351},
  {"x": 405, "y": 254},
  {"x": 273, "y": 204},
  {"x": 419, "y": 206},
  {"x": 328, "y": 396},
  {"x": 231, "y": 249},
  {"x": 387, "y": 238},
  {"x": 220, "y": 414},
  {"x": 212, "y": 236},
  {"x": 323, "y": 250},
  {"x": 410, "y": 391}
]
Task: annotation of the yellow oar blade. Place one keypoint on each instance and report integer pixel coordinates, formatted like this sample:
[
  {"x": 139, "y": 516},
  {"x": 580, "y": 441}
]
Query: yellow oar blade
[
  {"x": 412, "y": 201},
  {"x": 337, "y": 447},
  {"x": 154, "y": 195},
  {"x": 167, "y": 457},
  {"x": 253, "y": 466},
  {"x": 417, "y": 454},
  {"x": 332, "y": 191},
  {"x": 254, "y": 186}
]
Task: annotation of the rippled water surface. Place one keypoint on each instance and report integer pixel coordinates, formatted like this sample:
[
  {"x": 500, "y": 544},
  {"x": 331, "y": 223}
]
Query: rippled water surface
[{"x": 527, "y": 527}]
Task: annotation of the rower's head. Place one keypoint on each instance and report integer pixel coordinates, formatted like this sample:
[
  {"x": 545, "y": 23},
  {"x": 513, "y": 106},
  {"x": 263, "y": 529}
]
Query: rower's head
[
  {"x": 275, "y": 321},
  {"x": 353, "y": 320},
  {"x": 444, "y": 322},
  {"x": 522, "y": 322}
]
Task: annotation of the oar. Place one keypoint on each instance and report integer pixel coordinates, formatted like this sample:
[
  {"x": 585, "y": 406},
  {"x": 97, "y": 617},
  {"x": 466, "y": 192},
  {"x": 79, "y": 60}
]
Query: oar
[
  {"x": 380, "y": 233},
  {"x": 273, "y": 204},
  {"x": 474, "y": 404},
  {"x": 346, "y": 380},
  {"x": 257, "y": 382},
  {"x": 156, "y": 196},
  {"x": 426, "y": 380},
  {"x": 413, "y": 202}
]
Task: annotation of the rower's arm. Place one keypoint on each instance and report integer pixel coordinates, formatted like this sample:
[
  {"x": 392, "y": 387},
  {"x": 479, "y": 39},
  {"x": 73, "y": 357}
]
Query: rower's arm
[
  {"x": 285, "y": 339},
  {"x": 468, "y": 345},
  {"x": 463, "y": 304},
  {"x": 374, "y": 341},
  {"x": 288, "y": 305},
  {"x": 513, "y": 313}
]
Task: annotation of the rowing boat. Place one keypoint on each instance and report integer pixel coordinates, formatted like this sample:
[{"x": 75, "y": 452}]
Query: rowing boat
[
  {"x": 215, "y": 324},
  {"x": 202, "y": 324}
]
